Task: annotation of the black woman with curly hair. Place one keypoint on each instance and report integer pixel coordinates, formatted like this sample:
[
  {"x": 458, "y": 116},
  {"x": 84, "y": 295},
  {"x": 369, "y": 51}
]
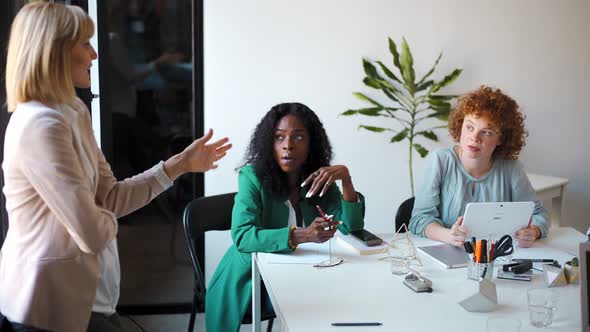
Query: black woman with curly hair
[
  {"x": 287, "y": 172},
  {"x": 482, "y": 167}
]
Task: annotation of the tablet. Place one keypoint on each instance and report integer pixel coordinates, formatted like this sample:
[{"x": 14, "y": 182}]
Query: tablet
[{"x": 493, "y": 220}]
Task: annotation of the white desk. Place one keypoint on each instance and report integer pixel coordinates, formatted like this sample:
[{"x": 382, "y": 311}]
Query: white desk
[
  {"x": 362, "y": 289},
  {"x": 551, "y": 189}
]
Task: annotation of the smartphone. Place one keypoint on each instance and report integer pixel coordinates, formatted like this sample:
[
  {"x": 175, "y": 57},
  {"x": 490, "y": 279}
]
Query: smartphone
[{"x": 367, "y": 237}]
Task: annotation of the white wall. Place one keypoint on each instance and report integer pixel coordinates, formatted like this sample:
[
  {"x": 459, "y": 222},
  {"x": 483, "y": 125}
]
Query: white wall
[{"x": 262, "y": 52}]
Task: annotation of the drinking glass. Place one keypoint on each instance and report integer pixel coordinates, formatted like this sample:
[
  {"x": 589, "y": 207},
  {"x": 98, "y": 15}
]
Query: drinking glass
[
  {"x": 542, "y": 304},
  {"x": 503, "y": 324},
  {"x": 399, "y": 256},
  {"x": 399, "y": 266}
]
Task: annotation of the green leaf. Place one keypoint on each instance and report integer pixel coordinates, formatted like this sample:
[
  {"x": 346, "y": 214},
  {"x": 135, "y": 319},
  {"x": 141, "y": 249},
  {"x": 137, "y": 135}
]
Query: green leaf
[
  {"x": 443, "y": 108},
  {"x": 374, "y": 129},
  {"x": 424, "y": 85},
  {"x": 420, "y": 149},
  {"x": 442, "y": 97},
  {"x": 393, "y": 51},
  {"x": 428, "y": 134},
  {"x": 447, "y": 80},
  {"x": 407, "y": 62},
  {"x": 349, "y": 112},
  {"x": 387, "y": 85},
  {"x": 438, "y": 102},
  {"x": 388, "y": 72},
  {"x": 371, "y": 83},
  {"x": 373, "y": 111},
  {"x": 431, "y": 69},
  {"x": 390, "y": 95},
  {"x": 361, "y": 96},
  {"x": 441, "y": 115},
  {"x": 370, "y": 70},
  {"x": 400, "y": 136}
]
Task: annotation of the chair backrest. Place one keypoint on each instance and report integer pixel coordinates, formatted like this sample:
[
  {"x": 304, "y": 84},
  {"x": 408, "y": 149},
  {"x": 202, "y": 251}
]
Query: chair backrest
[
  {"x": 5, "y": 324},
  {"x": 212, "y": 213},
  {"x": 404, "y": 213}
]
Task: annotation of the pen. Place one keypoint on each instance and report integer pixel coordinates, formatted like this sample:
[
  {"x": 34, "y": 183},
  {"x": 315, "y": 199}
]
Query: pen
[
  {"x": 534, "y": 260},
  {"x": 484, "y": 251},
  {"x": 322, "y": 213},
  {"x": 478, "y": 252},
  {"x": 357, "y": 324}
]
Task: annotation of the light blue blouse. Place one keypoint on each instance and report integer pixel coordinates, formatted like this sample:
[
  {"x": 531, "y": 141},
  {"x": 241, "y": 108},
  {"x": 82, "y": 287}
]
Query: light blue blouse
[{"x": 447, "y": 187}]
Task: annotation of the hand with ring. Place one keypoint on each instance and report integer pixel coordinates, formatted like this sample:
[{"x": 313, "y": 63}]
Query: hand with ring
[
  {"x": 319, "y": 231},
  {"x": 322, "y": 179}
]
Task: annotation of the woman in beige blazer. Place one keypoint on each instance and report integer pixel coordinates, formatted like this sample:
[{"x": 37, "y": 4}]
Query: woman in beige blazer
[{"x": 61, "y": 196}]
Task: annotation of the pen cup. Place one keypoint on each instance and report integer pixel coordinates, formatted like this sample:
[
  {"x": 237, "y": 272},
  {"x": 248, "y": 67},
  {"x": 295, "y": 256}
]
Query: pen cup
[{"x": 475, "y": 270}]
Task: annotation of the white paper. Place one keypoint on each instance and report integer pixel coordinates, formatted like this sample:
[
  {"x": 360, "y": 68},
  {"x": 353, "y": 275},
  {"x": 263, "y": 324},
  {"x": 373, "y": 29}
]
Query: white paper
[{"x": 306, "y": 253}]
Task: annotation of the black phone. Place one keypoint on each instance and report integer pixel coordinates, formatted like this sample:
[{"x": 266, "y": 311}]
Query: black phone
[{"x": 367, "y": 237}]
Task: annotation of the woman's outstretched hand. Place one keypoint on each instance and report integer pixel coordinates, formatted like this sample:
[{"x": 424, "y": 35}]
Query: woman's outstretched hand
[{"x": 199, "y": 156}]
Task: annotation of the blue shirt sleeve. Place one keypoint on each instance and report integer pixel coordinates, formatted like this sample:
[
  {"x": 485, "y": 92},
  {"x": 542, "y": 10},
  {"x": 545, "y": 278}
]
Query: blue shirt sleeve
[{"x": 427, "y": 203}]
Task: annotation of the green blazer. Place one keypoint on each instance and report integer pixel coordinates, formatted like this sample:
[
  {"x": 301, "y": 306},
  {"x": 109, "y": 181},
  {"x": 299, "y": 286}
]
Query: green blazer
[{"x": 260, "y": 224}]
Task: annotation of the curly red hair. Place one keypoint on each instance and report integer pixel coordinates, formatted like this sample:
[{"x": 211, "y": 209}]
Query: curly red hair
[{"x": 496, "y": 107}]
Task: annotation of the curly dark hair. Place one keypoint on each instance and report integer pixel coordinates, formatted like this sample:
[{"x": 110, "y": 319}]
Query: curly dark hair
[
  {"x": 260, "y": 152},
  {"x": 498, "y": 108}
]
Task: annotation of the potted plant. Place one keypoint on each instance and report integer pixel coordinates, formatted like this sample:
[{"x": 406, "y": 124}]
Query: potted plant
[{"x": 412, "y": 101}]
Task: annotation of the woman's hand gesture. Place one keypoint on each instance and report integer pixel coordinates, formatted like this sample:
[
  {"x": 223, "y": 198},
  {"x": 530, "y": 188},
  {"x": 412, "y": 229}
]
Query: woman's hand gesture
[
  {"x": 324, "y": 177},
  {"x": 199, "y": 156}
]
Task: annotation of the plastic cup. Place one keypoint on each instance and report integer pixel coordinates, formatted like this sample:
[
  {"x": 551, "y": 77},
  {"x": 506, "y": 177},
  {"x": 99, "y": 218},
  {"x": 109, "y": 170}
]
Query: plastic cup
[{"x": 542, "y": 304}]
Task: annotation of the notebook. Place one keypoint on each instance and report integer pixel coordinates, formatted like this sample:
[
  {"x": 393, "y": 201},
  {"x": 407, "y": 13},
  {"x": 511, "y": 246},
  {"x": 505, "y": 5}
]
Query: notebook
[
  {"x": 356, "y": 245},
  {"x": 446, "y": 255}
]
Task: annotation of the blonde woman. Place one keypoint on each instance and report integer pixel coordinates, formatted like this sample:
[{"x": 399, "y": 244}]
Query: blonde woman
[{"x": 61, "y": 196}]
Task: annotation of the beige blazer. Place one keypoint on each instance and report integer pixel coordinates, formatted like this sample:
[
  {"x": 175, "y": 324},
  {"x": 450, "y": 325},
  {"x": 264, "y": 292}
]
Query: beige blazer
[{"x": 62, "y": 201}]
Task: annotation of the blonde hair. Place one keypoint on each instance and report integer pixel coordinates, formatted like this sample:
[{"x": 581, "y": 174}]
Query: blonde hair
[{"x": 39, "y": 53}]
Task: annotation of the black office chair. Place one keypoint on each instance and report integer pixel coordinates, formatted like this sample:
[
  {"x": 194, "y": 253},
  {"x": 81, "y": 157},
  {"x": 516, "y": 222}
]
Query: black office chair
[
  {"x": 205, "y": 214},
  {"x": 404, "y": 213},
  {"x": 5, "y": 324}
]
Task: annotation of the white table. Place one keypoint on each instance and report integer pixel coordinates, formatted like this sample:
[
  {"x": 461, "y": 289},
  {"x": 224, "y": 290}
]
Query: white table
[
  {"x": 551, "y": 189},
  {"x": 362, "y": 289}
]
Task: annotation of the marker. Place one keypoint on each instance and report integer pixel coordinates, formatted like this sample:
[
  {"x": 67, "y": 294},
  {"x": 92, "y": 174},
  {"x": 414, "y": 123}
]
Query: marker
[
  {"x": 357, "y": 324},
  {"x": 469, "y": 249}
]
